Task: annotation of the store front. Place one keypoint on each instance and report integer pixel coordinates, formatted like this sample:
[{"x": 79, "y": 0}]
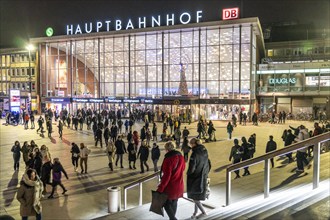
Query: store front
[
  {"x": 56, "y": 103},
  {"x": 199, "y": 65},
  {"x": 298, "y": 88}
]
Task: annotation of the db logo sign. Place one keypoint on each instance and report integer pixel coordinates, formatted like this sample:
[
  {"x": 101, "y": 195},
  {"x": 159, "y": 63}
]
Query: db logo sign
[{"x": 229, "y": 13}]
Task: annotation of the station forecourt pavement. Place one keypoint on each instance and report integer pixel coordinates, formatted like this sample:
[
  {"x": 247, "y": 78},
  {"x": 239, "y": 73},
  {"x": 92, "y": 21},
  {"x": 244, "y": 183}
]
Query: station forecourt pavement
[{"x": 87, "y": 193}]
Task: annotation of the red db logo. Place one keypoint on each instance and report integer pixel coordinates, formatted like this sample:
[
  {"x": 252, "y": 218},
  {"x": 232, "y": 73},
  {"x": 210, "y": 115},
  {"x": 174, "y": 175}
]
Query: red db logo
[{"x": 229, "y": 13}]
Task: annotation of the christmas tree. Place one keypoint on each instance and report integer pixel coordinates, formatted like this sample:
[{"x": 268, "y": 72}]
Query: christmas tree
[{"x": 183, "y": 88}]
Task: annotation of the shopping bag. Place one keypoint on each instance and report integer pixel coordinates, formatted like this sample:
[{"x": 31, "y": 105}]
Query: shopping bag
[{"x": 157, "y": 202}]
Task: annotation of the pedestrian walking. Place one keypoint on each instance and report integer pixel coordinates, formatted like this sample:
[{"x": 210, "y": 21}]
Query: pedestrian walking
[
  {"x": 236, "y": 154},
  {"x": 75, "y": 153},
  {"x": 26, "y": 152},
  {"x": 252, "y": 144},
  {"x": 185, "y": 148},
  {"x": 84, "y": 152},
  {"x": 230, "y": 129},
  {"x": 60, "y": 128},
  {"x": 32, "y": 121},
  {"x": 111, "y": 151},
  {"x": 29, "y": 195},
  {"x": 131, "y": 149},
  {"x": 155, "y": 154},
  {"x": 16, "y": 149},
  {"x": 57, "y": 177},
  {"x": 171, "y": 181},
  {"x": 46, "y": 173},
  {"x": 271, "y": 146},
  {"x": 197, "y": 174},
  {"x": 177, "y": 137},
  {"x": 106, "y": 135},
  {"x": 98, "y": 137},
  {"x": 143, "y": 154},
  {"x": 154, "y": 132},
  {"x": 301, "y": 153},
  {"x": 289, "y": 139},
  {"x": 40, "y": 124},
  {"x": 246, "y": 155},
  {"x": 120, "y": 150}
]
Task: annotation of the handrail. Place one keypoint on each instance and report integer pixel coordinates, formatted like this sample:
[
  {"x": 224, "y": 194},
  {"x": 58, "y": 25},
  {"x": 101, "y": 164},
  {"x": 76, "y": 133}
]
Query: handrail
[
  {"x": 315, "y": 141},
  {"x": 287, "y": 149},
  {"x": 143, "y": 179},
  {"x": 138, "y": 182}
]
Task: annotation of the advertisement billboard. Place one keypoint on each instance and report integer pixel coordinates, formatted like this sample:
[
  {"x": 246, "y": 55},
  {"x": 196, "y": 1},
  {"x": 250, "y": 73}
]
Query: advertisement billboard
[{"x": 15, "y": 100}]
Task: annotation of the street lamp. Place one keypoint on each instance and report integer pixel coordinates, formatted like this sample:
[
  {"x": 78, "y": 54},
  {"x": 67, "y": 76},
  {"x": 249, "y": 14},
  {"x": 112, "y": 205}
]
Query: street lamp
[{"x": 30, "y": 47}]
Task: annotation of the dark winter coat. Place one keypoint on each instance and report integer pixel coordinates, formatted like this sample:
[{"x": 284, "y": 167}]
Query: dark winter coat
[
  {"x": 199, "y": 167},
  {"x": 155, "y": 153},
  {"x": 289, "y": 139},
  {"x": 246, "y": 153},
  {"x": 57, "y": 172},
  {"x": 16, "y": 152},
  {"x": 120, "y": 147},
  {"x": 172, "y": 175},
  {"x": 236, "y": 153},
  {"x": 143, "y": 153},
  {"x": 271, "y": 146},
  {"x": 131, "y": 152},
  {"x": 45, "y": 172}
]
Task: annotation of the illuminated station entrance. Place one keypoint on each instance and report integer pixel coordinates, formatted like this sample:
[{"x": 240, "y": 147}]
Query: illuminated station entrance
[{"x": 205, "y": 69}]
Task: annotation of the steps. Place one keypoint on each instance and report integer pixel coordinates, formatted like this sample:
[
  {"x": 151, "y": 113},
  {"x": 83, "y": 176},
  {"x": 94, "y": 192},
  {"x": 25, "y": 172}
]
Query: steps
[{"x": 292, "y": 199}]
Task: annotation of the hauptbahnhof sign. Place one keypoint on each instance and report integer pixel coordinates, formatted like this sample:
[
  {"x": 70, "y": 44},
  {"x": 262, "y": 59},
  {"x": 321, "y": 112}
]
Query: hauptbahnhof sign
[{"x": 138, "y": 23}]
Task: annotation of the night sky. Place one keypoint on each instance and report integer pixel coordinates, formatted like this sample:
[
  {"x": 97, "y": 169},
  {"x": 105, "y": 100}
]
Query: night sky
[{"x": 21, "y": 19}]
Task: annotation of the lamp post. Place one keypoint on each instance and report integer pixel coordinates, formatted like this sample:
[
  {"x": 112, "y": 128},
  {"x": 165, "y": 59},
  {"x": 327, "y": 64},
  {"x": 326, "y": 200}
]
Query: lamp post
[{"x": 29, "y": 48}]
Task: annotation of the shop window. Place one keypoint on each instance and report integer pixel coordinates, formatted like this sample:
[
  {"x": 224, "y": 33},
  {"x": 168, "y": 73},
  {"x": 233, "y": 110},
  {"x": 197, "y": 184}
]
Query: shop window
[{"x": 270, "y": 53}]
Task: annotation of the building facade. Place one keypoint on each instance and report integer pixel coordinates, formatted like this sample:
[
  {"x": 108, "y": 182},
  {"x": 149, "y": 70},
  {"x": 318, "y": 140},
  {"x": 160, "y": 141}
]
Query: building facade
[
  {"x": 207, "y": 68},
  {"x": 19, "y": 71},
  {"x": 295, "y": 77}
]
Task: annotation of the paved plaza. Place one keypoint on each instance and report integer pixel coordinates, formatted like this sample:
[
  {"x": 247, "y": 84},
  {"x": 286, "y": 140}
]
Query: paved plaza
[{"x": 87, "y": 195}]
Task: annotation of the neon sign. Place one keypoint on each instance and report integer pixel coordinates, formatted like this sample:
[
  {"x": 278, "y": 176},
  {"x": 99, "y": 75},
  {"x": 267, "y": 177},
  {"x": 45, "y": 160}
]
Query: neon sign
[
  {"x": 230, "y": 13},
  {"x": 282, "y": 81},
  {"x": 140, "y": 22}
]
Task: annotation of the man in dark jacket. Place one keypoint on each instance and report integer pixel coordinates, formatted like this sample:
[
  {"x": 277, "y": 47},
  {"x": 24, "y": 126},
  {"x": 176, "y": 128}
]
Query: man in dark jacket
[
  {"x": 236, "y": 153},
  {"x": 199, "y": 167},
  {"x": 143, "y": 154},
  {"x": 57, "y": 176},
  {"x": 120, "y": 150},
  {"x": 246, "y": 155},
  {"x": 155, "y": 154},
  {"x": 271, "y": 146},
  {"x": 98, "y": 136},
  {"x": 172, "y": 178},
  {"x": 288, "y": 141}
]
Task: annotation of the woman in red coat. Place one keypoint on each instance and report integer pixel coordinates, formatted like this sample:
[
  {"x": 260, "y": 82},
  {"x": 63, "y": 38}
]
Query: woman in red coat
[{"x": 172, "y": 178}]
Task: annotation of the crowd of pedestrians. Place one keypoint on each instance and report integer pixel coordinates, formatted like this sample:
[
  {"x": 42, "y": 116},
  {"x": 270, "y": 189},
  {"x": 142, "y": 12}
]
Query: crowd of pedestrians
[{"x": 119, "y": 138}]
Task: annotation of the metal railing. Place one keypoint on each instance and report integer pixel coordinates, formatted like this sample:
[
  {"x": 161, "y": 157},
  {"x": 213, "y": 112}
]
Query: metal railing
[
  {"x": 315, "y": 141},
  {"x": 139, "y": 183}
]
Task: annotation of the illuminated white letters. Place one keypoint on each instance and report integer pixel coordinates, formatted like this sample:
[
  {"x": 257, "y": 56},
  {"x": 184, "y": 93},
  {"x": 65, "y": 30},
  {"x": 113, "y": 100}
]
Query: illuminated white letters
[
  {"x": 282, "y": 81},
  {"x": 118, "y": 25},
  {"x": 142, "y": 22},
  {"x": 153, "y": 21},
  {"x": 188, "y": 16},
  {"x": 78, "y": 30},
  {"x": 168, "y": 20},
  {"x": 139, "y": 22},
  {"x": 98, "y": 26},
  {"x": 108, "y": 25},
  {"x": 90, "y": 27},
  {"x": 198, "y": 16},
  {"x": 129, "y": 24},
  {"x": 69, "y": 31}
]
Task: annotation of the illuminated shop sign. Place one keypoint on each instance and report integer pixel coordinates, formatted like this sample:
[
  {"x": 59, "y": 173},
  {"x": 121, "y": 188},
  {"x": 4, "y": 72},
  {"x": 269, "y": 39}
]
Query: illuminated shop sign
[
  {"x": 137, "y": 23},
  {"x": 15, "y": 100},
  {"x": 282, "y": 81},
  {"x": 96, "y": 100},
  {"x": 113, "y": 101},
  {"x": 230, "y": 13},
  {"x": 79, "y": 100},
  {"x": 131, "y": 101}
]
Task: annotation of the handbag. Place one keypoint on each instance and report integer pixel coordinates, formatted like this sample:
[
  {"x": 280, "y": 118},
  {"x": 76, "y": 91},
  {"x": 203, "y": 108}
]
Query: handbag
[{"x": 157, "y": 202}]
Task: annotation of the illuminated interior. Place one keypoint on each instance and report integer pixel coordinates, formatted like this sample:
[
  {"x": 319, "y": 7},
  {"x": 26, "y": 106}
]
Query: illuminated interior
[{"x": 217, "y": 62}]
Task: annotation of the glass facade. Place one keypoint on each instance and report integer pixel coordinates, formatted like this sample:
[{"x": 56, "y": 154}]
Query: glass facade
[{"x": 211, "y": 62}]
